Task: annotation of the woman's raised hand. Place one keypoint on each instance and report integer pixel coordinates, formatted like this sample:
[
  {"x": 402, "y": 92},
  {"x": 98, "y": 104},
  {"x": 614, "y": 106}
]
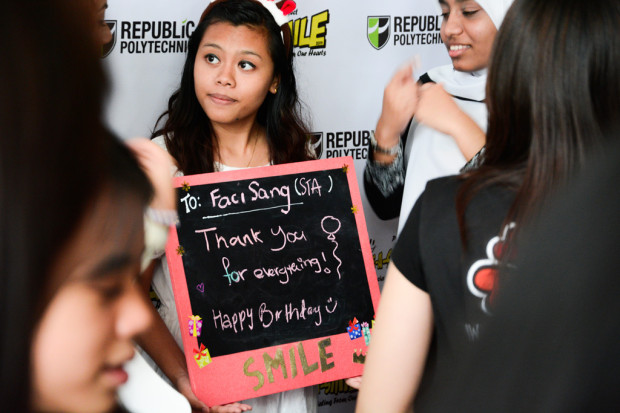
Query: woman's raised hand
[
  {"x": 436, "y": 108},
  {"x": 400, "y": 101}
]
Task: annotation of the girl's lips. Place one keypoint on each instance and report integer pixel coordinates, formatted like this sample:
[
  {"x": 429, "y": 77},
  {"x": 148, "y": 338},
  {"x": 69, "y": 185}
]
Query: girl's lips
[
  {"x": 115, "y": 376},
  {"x": 221, "y": 99},
  {"x": 457, "y": 50}
]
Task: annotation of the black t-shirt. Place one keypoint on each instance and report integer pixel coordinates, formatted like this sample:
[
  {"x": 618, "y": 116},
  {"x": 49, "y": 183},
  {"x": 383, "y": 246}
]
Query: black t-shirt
[
  {"x": 552, "y": 344},
  {"x": 460, "y": 281}
]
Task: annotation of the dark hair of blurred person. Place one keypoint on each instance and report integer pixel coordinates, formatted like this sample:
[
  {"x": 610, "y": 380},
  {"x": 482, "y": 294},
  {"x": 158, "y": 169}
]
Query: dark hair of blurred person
[
  {"x": 54, "y": 165},
  {"x": 552, "y": 98}
]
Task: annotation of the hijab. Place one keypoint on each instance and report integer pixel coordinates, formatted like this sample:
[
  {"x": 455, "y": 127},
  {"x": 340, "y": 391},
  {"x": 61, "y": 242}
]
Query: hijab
[
  {"x": 496, "y": 9},
  {"x": 470, "y": 85}
]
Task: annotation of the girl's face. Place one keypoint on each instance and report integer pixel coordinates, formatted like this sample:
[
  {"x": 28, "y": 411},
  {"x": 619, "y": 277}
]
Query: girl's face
[
  {"x": 468, "y": 33},
  {"x": 233, "y": 73},
  {"x": 85, "y": 334},
  {"x": 104, "y": 35}
]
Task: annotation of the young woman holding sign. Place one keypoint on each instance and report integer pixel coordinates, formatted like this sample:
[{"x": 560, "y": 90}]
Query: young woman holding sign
[
  {"x": 237, "y": 107},
  {"x": 447, "y": 107},
  {"x": 544, "y": 121}
]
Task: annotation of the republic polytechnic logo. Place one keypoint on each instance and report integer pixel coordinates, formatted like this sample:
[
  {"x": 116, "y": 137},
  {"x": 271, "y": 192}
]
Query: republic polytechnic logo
[
  {"x": 378, "y": 31},
  {"x": 107, "y": 48}
]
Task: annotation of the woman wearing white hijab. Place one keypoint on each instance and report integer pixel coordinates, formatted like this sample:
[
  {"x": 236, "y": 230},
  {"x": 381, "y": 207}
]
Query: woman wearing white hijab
[
  {"x": 448, "y": 128},
  {"x": 429, "y": 310}
]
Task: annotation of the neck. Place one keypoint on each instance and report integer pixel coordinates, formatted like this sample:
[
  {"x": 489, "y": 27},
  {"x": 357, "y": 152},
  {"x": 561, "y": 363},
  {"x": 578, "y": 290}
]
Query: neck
[
  {"x": 240, "y": 144},
  {"x": 236, "y": 135}
]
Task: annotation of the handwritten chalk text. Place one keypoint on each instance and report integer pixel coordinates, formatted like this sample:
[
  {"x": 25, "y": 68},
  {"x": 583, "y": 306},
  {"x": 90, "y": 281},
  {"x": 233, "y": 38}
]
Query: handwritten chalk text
[{"x": 242, "y": 240}]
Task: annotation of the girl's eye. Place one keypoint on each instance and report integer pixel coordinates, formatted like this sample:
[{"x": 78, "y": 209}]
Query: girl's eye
[
  {"x": 469, "y": 13},
  {"x": 110, "y": 289},
  {"x": 211, "y": 58},
  {"x": 111, "y": 293},
  {"x": 245, "y": 65}
]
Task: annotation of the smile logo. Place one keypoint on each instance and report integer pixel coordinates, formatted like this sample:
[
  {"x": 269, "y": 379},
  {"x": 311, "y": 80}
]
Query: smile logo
[
  {"x": 107, "y": 48},
  {"x": 378, "y": 31},
  {"x": 316, "y": 142}
]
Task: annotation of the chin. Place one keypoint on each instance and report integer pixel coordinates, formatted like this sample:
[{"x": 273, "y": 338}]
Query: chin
[
  {"x": 220, "y": 116},
  {"x": 220, "y": 120},
  {"x": 225, "y": 119},
  {"x": 466, "y": 67},
  {"x": 100, "y": 403}
]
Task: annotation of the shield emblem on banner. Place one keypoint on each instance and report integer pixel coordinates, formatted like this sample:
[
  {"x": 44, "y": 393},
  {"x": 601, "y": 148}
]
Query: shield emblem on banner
[
  {"x": 107, "y": 48},
  {"x": 316, "y": 142},
  {"x": 378, "y": 31}
]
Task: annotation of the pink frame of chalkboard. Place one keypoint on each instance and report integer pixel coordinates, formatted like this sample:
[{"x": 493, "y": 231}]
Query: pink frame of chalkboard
[{"x": 223, "y": 380}]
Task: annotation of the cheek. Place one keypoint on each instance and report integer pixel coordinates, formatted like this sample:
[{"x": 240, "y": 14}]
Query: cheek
[
  {"x": 105, "y": 34},
  {"x": 203, "y": 73},
  {"x": 261, "y": 87},
  {"x": 197, "y": 79},
  {"x": 200, "y": 85},
  {"x": 255, "y": 98},
  {"x": 261, "y": 92},
  {"x": 68, "y": 352},
  {"x": 484, "y": 35}
]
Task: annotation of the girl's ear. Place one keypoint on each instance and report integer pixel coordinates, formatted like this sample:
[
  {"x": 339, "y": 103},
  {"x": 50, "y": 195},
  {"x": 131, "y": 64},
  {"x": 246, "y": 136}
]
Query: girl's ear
[{"x": 274, "y": 85}]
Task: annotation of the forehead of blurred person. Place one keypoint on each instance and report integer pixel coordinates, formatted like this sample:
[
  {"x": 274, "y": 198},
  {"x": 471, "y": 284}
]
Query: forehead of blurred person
[
  {"x": 99, "y": 7},
  {"x": 102, "y": 30}
]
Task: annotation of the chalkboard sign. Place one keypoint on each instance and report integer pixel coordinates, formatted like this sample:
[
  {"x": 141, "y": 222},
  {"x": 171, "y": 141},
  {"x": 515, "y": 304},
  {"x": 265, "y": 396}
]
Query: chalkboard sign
[{"x": 273, "y": 278}]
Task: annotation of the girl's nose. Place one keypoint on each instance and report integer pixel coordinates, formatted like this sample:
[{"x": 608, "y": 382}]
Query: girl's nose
[
  {"x": 225, "y": 76},
  {"x": 452, "y": 24},
  {"x": 134, "y": 315}
]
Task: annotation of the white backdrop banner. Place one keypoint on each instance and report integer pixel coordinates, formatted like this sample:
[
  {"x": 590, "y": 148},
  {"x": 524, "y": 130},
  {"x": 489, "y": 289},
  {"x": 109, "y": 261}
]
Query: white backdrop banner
[{"x": 346, "y": 51}]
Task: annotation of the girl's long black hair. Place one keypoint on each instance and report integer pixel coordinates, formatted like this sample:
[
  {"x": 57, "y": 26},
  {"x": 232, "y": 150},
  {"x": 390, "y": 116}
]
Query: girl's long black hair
[
  {"x": 553, "y": 97},
  {"x": 187, "y": 130}
]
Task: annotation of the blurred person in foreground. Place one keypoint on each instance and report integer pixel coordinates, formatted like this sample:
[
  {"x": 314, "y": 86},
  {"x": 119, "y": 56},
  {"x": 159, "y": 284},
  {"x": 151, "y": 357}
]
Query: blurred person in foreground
[{"x": 71, "y": 206}]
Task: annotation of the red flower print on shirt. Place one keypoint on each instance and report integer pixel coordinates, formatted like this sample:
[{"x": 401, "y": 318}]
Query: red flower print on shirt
[{"x": 482, "y": 275}]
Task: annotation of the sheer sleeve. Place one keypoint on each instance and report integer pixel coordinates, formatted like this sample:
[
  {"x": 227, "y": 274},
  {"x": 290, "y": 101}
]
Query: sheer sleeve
[{"x": 384, "y": 183}]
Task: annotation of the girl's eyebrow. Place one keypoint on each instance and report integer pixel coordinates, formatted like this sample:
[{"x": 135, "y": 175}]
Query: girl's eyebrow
[
  {"x": 249, "y": 52},
  {"x": 244, "y": 52},
  {"x": 110, "y": 265},
  {"x": 214, "y": 45},
  {"x": 443, "y": 2}
]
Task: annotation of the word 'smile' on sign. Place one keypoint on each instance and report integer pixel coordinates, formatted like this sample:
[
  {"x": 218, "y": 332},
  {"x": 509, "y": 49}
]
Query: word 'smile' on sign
[{"x": 273, "y": 278}]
